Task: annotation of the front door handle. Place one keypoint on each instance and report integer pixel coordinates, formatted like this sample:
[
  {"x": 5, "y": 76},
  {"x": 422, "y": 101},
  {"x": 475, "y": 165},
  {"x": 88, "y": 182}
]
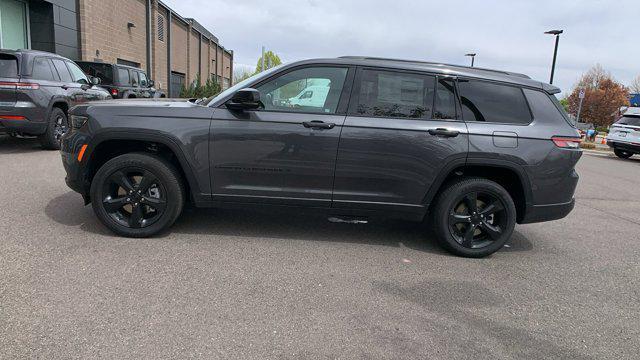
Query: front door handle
[
  {"x": 316, "y": 124},
  {"x": 65, "y": 87},
  {"x": 443, "y": 132}
]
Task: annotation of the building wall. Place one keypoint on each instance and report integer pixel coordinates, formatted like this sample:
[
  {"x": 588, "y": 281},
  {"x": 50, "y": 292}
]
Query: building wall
[
  {"x": 103, "y": 28},
  {"x": 53, "y": 25},
  {"x": 105, "y": 34},
  {"x": 194, "y": 39},
  {"x": 179, "y": 39}
]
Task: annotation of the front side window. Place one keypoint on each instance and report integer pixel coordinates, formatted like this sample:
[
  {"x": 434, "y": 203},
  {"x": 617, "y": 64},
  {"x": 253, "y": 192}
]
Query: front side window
[
  {"x": 143, "y": 79},
  {"x": 77, "y": 74},
  {"x": 285, "y": 93},
  {"x": 486, "y": 101},
  {"x": 391, "y": 94},
  {"x": 42, "y": 70}
]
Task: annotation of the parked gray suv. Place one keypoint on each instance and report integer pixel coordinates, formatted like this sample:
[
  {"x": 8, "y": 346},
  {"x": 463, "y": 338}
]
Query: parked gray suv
[
  {"x": 473, "y": 150},
  {"x": 36, "y": 91}
]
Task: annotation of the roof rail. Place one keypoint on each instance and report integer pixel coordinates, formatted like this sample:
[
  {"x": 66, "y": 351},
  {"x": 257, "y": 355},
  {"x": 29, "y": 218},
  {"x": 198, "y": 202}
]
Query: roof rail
[{"x": 437, "y": 64}]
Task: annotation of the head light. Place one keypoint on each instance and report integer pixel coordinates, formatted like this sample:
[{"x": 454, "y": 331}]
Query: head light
[{"x": 78, "y": 121}]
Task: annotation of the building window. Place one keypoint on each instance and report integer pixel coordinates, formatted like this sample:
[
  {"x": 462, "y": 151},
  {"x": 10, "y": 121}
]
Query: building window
[
  {"x": 129, "y": 63},
  {"x": 160, "y": 27},
  {"x": 13, "y": 25}
]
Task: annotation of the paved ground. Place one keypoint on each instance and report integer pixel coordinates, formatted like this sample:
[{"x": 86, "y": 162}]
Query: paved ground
[{"x": 228, "y": 284}]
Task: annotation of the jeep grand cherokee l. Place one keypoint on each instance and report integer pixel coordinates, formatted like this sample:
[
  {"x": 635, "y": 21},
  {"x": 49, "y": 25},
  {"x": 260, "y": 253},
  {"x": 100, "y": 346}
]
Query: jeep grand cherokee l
[
  {"x": 474, "y": 150},
  {"x": 36, "y": 90}
]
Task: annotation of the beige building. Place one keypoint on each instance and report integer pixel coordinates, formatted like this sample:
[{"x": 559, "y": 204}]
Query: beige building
[{"x": 147, "y": 34}]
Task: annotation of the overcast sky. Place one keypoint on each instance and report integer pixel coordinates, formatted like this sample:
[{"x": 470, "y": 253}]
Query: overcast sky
[{"x": 506, "y": 34}]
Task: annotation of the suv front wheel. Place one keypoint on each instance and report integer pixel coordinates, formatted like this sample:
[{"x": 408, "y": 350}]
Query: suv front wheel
[
  {"x": 137, "y": 194},
  {"x": 474, "y": 217}
]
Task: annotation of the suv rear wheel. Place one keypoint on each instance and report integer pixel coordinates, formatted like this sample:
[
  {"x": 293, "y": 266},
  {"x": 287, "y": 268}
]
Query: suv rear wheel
[
  {"x": 57, "y": 125},
  {"x": 137, "y": 194},
  {"x": 474, "y": 217},
  {"x": 622, "y": 154}
]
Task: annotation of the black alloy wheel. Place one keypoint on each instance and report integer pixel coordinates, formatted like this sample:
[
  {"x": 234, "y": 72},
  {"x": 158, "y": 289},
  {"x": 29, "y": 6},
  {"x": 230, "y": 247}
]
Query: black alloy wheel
[
  {"x": 137, "y": 194},
  {"x": 134, "y": 197},
  {"x": 60, "y": 127},
  {"x": 473, "y": 217},
  {"x": 477, "y": 219}
]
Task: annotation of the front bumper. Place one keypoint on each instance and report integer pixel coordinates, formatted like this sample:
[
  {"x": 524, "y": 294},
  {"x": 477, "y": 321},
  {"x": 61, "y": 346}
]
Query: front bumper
[{"x": 76, "y": 177}]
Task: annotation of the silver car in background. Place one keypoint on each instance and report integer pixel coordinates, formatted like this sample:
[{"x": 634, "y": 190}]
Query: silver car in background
[{"x": 624, "y": 135}]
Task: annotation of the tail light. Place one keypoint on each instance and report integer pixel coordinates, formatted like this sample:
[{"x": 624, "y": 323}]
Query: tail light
[
  {"x": 19, "y": 85},
  {"x": 566, "y": 142},
  {"x": 114, "y": 92}
]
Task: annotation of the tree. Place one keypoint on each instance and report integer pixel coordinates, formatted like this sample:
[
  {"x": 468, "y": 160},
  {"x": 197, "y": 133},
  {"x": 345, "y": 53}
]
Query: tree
[
  {"x": 241, "y": 75},
  {"x": 603, "y": 97},
  {"x": 197, "y": 90},
  {"x": 271, "y": 60},
  {"x": 565, "y": 103},
  {"x": 635, "y": 85}
]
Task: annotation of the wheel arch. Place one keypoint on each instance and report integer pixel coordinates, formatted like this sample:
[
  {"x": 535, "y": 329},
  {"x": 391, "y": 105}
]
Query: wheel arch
[
  {"x": 509, "y": 175},
  {"x": 109, "y": 145}
]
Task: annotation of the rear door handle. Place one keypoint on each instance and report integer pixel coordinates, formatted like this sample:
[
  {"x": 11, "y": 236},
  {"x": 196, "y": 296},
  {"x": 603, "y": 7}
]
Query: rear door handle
[
  {"x": 316, "y": 124},
  {"x": 443, "y": 132}
]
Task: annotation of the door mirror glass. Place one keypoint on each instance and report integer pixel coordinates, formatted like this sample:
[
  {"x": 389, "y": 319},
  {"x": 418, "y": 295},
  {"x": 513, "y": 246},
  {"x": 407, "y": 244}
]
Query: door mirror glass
[
  {"x": 245, "y": 99},
  {"x": 152, "y": 83}
]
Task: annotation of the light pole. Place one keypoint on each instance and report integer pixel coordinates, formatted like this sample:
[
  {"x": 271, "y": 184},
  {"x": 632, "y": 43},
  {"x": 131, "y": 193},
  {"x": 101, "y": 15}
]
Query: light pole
[
  {"x": 556, "y": 33},
  {"x": 473, "y": 57}
]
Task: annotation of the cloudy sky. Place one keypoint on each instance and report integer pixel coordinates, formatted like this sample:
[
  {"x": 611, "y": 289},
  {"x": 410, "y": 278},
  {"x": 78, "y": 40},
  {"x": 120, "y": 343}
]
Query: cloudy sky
[{"x": 506, "y": 34}]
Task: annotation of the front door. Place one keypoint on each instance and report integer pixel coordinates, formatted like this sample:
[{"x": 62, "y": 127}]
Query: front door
[
  {"x": 286, "y": 152},
  {"x": 402, "y": 130}
]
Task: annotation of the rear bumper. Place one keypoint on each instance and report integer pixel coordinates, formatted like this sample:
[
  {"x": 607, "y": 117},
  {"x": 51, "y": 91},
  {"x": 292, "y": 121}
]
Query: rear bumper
[
  {"x": 22, "y": 127},
  {"x": 541, "y": 213},
  {"x": 33, "y": 124},
  {"x": 630, "y": 147}
]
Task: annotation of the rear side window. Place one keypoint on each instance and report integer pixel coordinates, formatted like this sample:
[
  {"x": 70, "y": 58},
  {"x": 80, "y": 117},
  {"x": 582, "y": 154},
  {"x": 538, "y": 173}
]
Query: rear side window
[
  {"x": 445, "y": 101},
  {"x": 629, "y": 120},
  {"x": 395, "y": 94},
  {"x": 8, "y": 66},
  {"x": 62, "y": 70},
  {"x": 544, "y": 108},
  {"x": 485, "y": 101},
  {"x": 123, "y": 76},
  {"x": 42, "y": 70}
]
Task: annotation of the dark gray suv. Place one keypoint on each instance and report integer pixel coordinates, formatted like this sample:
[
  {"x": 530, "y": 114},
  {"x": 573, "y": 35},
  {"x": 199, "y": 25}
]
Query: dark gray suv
[
  {"x": 473, "y": 150},
  {"x": 36, "y": 91}
]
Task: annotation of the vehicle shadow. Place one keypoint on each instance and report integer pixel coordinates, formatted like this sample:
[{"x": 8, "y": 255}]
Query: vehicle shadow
[
  {"x": 463, "y": 303},
  {"x": 68, "y": 209},
  {"x": 13, "y": 145}
]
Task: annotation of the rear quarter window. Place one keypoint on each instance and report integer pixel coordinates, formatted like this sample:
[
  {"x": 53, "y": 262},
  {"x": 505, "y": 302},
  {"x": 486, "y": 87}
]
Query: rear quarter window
[
  {"x": 544, "y": 108},
  {"x": 8, "y": 66},
  {"x": 490, "y": 102},
  {"x": 123, "y": 76}
]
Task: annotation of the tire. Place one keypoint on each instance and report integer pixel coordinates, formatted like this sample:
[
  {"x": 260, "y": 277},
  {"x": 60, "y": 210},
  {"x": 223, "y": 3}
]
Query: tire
[
  {"x": 622, "y": 154},
  {"x": 453, "y": 218},
  {"x": 57, "y": 125},
  {"x": 162, "y": 193}
]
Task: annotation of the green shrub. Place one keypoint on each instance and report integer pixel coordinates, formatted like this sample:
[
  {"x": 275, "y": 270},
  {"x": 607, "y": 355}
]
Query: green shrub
[{"x": 197, "y": 90}]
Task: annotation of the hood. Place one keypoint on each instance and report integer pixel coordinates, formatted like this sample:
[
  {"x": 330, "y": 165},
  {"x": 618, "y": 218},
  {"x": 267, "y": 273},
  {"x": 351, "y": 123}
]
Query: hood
[{"x": 160, "y": 102}]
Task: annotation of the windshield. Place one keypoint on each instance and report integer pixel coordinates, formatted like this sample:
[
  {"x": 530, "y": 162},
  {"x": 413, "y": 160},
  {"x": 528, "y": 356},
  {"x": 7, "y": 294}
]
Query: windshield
[
  {"x": 241, "y": 85},
  {"x": 629, "y": 120}
]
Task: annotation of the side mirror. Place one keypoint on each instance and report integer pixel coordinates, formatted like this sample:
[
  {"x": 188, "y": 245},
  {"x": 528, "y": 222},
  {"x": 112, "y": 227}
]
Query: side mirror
[
  {"x": 95, "y": 80},
  {"x": 245, "y": 99},
  {"x": 151, "y": 83}
]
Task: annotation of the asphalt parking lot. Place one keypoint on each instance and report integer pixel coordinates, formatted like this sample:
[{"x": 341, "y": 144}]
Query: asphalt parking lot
[{"x": 232, "y": 284}]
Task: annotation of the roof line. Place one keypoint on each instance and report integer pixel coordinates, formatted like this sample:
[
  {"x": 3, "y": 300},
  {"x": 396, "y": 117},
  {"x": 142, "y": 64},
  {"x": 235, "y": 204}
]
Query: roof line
[{"x": 436, "y": 63}]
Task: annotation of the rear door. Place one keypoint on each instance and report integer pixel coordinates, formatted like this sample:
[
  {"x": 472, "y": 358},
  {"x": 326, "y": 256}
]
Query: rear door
[{"x": 401, "y": 131}]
